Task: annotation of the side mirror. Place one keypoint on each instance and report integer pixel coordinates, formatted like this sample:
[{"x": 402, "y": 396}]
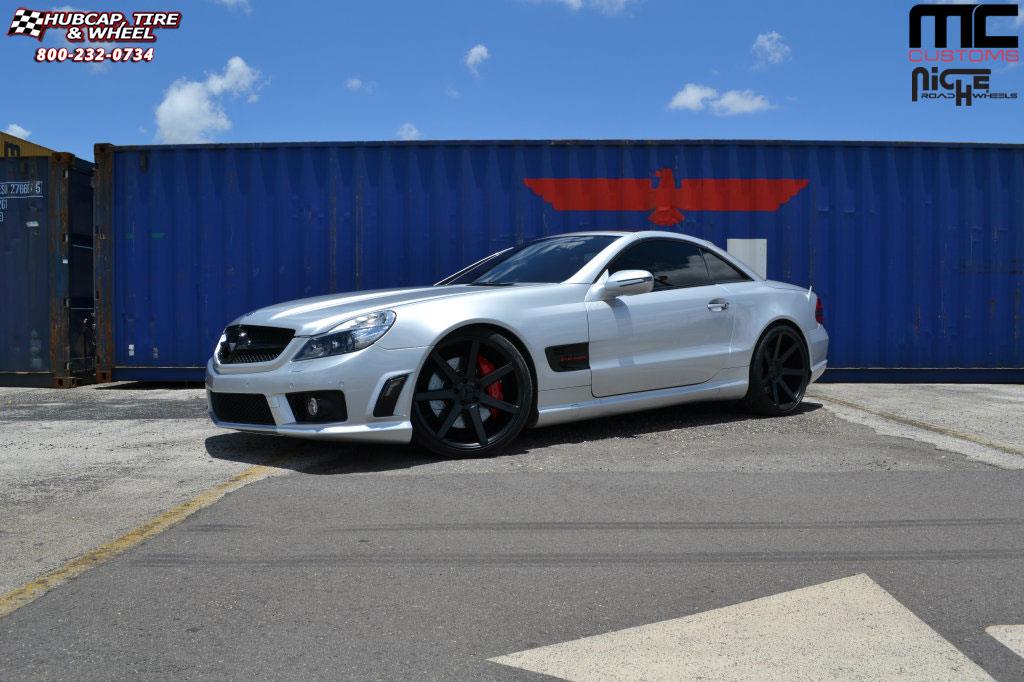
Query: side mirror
[{"x": 628, "y": 283}]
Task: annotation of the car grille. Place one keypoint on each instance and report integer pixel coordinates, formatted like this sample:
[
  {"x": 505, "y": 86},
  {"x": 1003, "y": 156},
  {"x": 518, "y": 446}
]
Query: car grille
[
  {"x": 241, "y": 408},
  {"x": 249, "y": 343}
]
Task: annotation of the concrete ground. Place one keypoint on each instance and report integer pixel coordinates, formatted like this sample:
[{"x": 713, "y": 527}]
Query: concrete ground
[
  {"x": 981, "y": 421},
  {"x": 363, "y": 562}
]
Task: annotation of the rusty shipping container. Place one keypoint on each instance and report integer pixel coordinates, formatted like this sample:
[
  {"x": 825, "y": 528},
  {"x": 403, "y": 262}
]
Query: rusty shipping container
[
  {"x": 46, "y": 275},
  {"x": 916, "y": 249}
]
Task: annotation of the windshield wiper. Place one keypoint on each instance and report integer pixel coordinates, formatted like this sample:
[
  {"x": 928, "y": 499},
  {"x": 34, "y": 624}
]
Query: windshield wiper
[{"x": 491, "y": 284}]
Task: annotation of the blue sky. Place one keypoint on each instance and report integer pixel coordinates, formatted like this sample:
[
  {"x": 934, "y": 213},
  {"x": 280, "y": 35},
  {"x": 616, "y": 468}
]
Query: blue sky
[{"x": 454, "y": 69}]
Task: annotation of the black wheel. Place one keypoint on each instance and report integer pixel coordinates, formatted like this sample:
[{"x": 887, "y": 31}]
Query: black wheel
[
  {"x": 473, "y": 395},
  {"x": 779, "y": 370}
]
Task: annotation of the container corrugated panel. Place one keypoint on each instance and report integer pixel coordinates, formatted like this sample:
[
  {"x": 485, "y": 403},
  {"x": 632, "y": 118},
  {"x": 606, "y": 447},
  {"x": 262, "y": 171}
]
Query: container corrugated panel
[
  {"x": 916, "y": 249},
  {"x": 46, "y": 271}
]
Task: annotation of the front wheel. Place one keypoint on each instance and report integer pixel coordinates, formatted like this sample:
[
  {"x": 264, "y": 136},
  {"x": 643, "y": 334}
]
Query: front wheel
[
  {"x": 779, "y": 372},
  {"x": 473, "y": 395}
]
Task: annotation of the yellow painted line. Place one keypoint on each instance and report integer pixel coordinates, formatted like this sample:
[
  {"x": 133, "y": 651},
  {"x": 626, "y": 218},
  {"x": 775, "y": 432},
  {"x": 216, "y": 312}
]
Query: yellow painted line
[
  {"x": 909, "y": 421},
  {"x": 29, "y": 592}
]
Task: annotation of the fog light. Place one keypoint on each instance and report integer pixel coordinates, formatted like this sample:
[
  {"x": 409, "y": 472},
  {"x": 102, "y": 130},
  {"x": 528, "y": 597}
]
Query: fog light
[{"x": 320, "y": 407}]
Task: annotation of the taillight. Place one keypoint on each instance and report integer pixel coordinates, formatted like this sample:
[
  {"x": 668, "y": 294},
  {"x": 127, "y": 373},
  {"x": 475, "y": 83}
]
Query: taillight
[{"x": 819, "y": 312}]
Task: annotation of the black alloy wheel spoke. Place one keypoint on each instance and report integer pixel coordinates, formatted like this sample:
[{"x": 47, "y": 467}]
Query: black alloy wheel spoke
[
  {"x": 448, "y": 371},
  {"x": 788, "y": 390},
  {"x": 497, "y": 404},
  {"x": 498, "y": 373},
  {"x": 786, "y": 372},
  {"x": 778, "y": 348},
  {"x": 439, "y": 394},
  {"x": 775, "y": 392},
  {"x": 478, "y": 424},
  {"x": 453, "y": 414},
  {"x": 474, "y": 353},
  {"x": 785, "y": 356}
]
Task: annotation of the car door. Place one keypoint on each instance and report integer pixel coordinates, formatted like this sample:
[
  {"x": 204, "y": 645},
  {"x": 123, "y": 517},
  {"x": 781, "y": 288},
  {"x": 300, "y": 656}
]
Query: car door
[
  {"x": 744, "y": 295},
  {"x": 676, "y": 335}
]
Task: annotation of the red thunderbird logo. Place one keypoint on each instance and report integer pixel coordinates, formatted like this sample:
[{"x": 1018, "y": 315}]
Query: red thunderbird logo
[{"x": 666, "y": 201}]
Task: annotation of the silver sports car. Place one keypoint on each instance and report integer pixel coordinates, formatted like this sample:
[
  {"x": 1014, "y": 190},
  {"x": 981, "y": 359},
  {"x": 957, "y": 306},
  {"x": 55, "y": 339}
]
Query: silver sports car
[{"x": 559, "y": 329}]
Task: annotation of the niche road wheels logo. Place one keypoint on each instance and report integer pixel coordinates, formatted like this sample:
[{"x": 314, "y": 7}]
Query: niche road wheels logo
[{"x": 978, "y": 46}]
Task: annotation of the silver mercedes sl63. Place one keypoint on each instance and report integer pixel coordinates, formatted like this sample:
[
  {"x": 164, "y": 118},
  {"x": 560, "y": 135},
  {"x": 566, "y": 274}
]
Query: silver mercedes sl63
[{"x": 559, "y": 329}]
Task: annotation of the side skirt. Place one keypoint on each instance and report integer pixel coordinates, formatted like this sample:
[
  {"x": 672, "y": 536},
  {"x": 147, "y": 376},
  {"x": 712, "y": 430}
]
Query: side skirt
[{"x": 729, "y": 384}]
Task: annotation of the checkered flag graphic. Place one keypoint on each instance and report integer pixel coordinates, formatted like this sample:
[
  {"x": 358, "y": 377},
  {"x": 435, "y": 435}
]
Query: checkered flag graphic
[{"x": 27, "y": 22}]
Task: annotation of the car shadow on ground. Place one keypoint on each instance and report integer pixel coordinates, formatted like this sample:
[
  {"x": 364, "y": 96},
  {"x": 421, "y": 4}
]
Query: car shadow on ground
[
  {"x": 331, "y": 458},
  {"x": 148, "y": 385}
]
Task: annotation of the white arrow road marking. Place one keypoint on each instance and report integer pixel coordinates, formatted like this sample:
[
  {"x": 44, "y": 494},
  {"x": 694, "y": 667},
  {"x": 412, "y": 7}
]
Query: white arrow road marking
[
  {"x": 1010, "y": 636},
  {"x": 848, "y": 629}
]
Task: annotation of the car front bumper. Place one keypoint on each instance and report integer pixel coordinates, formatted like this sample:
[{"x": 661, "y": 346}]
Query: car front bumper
[{"x": 360, "y": 376}]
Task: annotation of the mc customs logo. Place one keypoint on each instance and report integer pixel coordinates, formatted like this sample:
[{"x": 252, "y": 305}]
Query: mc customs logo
[
  {"x": 92, "y": 30},
  {"x": 977, "y": 48}
]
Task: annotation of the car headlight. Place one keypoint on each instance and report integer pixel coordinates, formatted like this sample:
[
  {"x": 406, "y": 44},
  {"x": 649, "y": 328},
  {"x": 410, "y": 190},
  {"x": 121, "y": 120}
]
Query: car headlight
[{"x": 349, "y": 336}]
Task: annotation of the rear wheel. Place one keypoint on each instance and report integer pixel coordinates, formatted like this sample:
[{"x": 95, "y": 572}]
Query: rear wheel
[
  {"x": 779, "y": 370},
  {"x": 473, "y": 395}
]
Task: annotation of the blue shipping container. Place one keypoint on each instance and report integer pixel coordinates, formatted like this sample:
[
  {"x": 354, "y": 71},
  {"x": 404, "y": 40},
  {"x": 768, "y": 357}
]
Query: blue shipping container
[
  {"x": 46, "y": 277},
  {"x": 916, "y": 249}
]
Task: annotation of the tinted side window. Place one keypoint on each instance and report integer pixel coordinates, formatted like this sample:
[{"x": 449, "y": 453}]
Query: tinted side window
[
  {"x": 553, "y": 259},
  {"x": 673, "y": 263},
  {"x": 722, "y": 272}
]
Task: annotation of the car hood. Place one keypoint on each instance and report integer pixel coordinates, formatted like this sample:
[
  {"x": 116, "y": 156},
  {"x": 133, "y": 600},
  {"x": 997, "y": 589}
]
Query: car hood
[{"x": 309, "y": 316}]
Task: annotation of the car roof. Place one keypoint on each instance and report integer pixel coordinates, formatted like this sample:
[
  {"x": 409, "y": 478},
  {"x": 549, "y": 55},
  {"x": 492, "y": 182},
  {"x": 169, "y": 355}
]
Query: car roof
[
  {"x": 636, "y": 234},
  {"x": 594, "y": 267}
]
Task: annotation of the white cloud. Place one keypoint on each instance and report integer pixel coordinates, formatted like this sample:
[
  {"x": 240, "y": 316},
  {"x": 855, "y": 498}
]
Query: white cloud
[
  {"x": 769, "y": 48},
  {"x": 17, "y": 131},
  {"x": 242, "y": 5},
  {"x": 408, "y": 132},
  {"x": 359, "y": 85},
  {"x": 476, "y": 56},
  {"x": 609, "y": 7},
  {"x": 193, "y": 111},
  {"x": 692, "y": 97},
  {"x": 696, "y": 97},
  {"x": 740, "y": 102},
  {"x": 452, "y": 92}
]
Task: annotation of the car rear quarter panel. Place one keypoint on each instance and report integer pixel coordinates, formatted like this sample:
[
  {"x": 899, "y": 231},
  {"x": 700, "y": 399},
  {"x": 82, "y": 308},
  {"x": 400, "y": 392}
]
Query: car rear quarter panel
[{"x": 756, "y": 305}]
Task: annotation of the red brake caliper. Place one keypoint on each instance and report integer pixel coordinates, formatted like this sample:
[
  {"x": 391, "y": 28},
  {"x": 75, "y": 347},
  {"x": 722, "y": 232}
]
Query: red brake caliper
[{"x": 485, "y": 367}]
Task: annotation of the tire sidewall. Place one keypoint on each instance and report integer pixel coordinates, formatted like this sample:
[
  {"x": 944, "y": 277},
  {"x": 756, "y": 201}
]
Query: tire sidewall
[
  {"x": 757, "y": 399},
  {"x": 423, "y": 436}
]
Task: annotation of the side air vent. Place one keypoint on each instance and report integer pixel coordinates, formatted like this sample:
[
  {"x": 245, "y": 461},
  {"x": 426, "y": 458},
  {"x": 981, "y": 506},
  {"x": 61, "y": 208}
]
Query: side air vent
[{"x": 568, "y": 358}]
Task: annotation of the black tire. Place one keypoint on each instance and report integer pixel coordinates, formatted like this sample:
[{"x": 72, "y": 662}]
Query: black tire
[
  {"x": 779, "y": 372},
  {"x": 473, "y": 396}
]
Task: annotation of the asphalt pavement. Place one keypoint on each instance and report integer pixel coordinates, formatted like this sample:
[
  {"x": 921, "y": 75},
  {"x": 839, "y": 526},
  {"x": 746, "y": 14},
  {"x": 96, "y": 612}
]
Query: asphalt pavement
[{"x": 357, "y": 562}]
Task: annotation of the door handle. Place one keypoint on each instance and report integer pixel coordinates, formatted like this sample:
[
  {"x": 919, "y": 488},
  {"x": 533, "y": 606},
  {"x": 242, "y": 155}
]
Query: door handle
[{"x": 717, "y": 305}]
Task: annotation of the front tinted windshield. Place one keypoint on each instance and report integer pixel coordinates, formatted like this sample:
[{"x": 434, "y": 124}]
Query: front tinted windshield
[{"x": 555, "y": 259}]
